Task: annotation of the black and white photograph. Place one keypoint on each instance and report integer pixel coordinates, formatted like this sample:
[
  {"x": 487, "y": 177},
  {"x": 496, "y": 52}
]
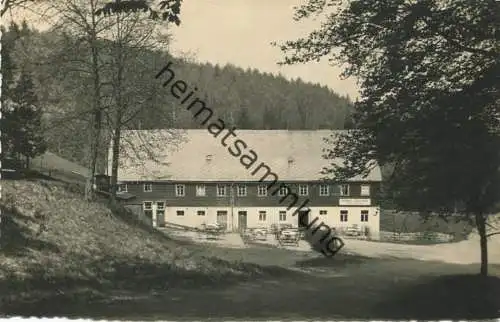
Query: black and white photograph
[{"x": 250, "y": 160}]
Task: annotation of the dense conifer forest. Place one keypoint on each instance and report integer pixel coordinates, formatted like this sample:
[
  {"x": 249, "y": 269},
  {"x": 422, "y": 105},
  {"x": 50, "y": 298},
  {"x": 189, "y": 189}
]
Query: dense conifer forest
[{"x": 248, "y": 99}]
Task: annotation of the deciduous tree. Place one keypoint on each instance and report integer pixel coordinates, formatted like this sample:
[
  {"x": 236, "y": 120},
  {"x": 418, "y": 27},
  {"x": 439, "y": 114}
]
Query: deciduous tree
[
  {"x": 166, "y": 10},
  {"x": 132, "y": 89},
  {"x": 429, "y": 104},
  {"x": 78, "y": 18}
]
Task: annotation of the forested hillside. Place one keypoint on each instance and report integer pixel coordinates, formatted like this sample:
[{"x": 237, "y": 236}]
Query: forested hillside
[{"x": 248, "y": 99}]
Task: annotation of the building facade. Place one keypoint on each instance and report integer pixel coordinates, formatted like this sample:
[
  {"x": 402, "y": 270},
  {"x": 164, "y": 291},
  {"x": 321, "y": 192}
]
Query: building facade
[{"x": 202, "y": 182}]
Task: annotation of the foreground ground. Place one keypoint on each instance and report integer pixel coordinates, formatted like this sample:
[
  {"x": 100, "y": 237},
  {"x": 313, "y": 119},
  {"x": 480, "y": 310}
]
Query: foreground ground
[
  {"x": 462, "y": 252},
  {"x": 89, "y": 262}
]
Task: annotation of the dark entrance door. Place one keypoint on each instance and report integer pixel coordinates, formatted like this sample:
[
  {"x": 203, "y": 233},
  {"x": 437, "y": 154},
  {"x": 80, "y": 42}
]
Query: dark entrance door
[
  {"x": 148, "y": 216},
  {"x": 303, "y": 218},
  {"x": 242, "y": 220},
  {"x": 222, "y": 218},
  {"x": 160, "y": 218}
]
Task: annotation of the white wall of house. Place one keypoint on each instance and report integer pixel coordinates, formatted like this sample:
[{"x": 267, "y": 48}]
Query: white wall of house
[
  {"x": 192, "y": 218},
  {"x": 363, "y": 217},
  {"x": 331, "y": 216}
]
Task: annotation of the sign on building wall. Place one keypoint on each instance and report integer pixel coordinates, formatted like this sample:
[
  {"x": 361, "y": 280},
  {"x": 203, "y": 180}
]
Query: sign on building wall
[{"x": 354, "y": 202}]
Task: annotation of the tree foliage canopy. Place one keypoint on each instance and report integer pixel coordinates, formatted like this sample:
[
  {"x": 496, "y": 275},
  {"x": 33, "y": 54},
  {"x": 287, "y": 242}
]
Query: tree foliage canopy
[
  {"x": 429, "y": 102},
  {"x": 21, "y": 121},
  {"x": 166, "y": 10}
]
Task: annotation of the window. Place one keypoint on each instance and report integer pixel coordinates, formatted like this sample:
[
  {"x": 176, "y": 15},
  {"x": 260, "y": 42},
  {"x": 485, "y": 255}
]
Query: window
[
  {"x": 364, "y": 215},
  {"x": 160, "y": 205},
  {"x": 221, "y": 190},
  {"x": 343, "y": 215},
  {"x": 122, "y": 188},
  {"x": 242, "y": 190},
  {"x": 324, "y": 190},
  {"x": 148, "y": 209},
  {"x": 262, "y": 191},
  {"x": 180, "y": 190},
  {"x": 148, "y": 187},
  {"x": 365, "y": 190},
  {"x": 323, "y": 212},
  {"x": 303, "y": 190},
  {"x": 180, "y": 212},
  {"x": 201, "y": 212},
  {"x": 284, "y": 190},
  {"x": 201, "y": 191},
  {"x": 344, "y": 189},
  {"x": 148, "y": 205},
  {"x": 262, "y": 216},
  {"x": 282, "y": 215}
]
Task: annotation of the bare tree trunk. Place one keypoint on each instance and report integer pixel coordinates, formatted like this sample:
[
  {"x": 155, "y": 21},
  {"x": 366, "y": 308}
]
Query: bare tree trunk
[
  {"x": 119, "y": 110},
  {"x": 95, "y": 133},
  {"x": 114, "y": 164},
  {"x": 483, "y": 242}
]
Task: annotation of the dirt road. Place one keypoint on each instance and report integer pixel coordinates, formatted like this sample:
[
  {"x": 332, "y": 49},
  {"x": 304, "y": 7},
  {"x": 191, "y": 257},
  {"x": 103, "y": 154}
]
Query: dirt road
[{"x": 464, "y": 252}]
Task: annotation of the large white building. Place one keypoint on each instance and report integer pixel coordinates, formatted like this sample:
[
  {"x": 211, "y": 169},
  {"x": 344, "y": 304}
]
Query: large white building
[{"x": 202, "y": 177}]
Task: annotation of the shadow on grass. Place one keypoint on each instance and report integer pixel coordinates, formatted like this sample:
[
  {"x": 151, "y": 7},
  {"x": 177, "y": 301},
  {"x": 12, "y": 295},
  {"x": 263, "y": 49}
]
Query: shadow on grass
[
  {"x": 444, "y": 297},
  {"x": 16, "y": 239},
  {"x": 112, "y": 287},
  {"x": 135, "y": 289},
  {"x": 338, "y": 261},
  {"x": 261, "y": 244}
]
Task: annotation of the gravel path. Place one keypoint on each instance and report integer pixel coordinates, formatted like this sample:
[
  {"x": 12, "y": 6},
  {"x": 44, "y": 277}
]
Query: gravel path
[{"x": 464, "y": 252}]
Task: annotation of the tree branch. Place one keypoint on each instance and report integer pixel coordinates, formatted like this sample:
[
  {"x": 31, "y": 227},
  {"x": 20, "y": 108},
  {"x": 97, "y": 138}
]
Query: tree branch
[
  {"x": 493, "y": 234},
  {"x": 456, "y": 43}
]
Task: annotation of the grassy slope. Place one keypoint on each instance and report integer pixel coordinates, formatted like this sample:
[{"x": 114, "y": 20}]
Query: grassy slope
[
  {"x": 51, "y": 161},
  {"x": 85, "y": 248}
]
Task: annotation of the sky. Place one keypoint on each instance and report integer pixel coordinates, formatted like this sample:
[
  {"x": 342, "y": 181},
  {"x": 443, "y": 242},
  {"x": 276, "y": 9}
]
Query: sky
[{"x": 240, "y": 32}]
